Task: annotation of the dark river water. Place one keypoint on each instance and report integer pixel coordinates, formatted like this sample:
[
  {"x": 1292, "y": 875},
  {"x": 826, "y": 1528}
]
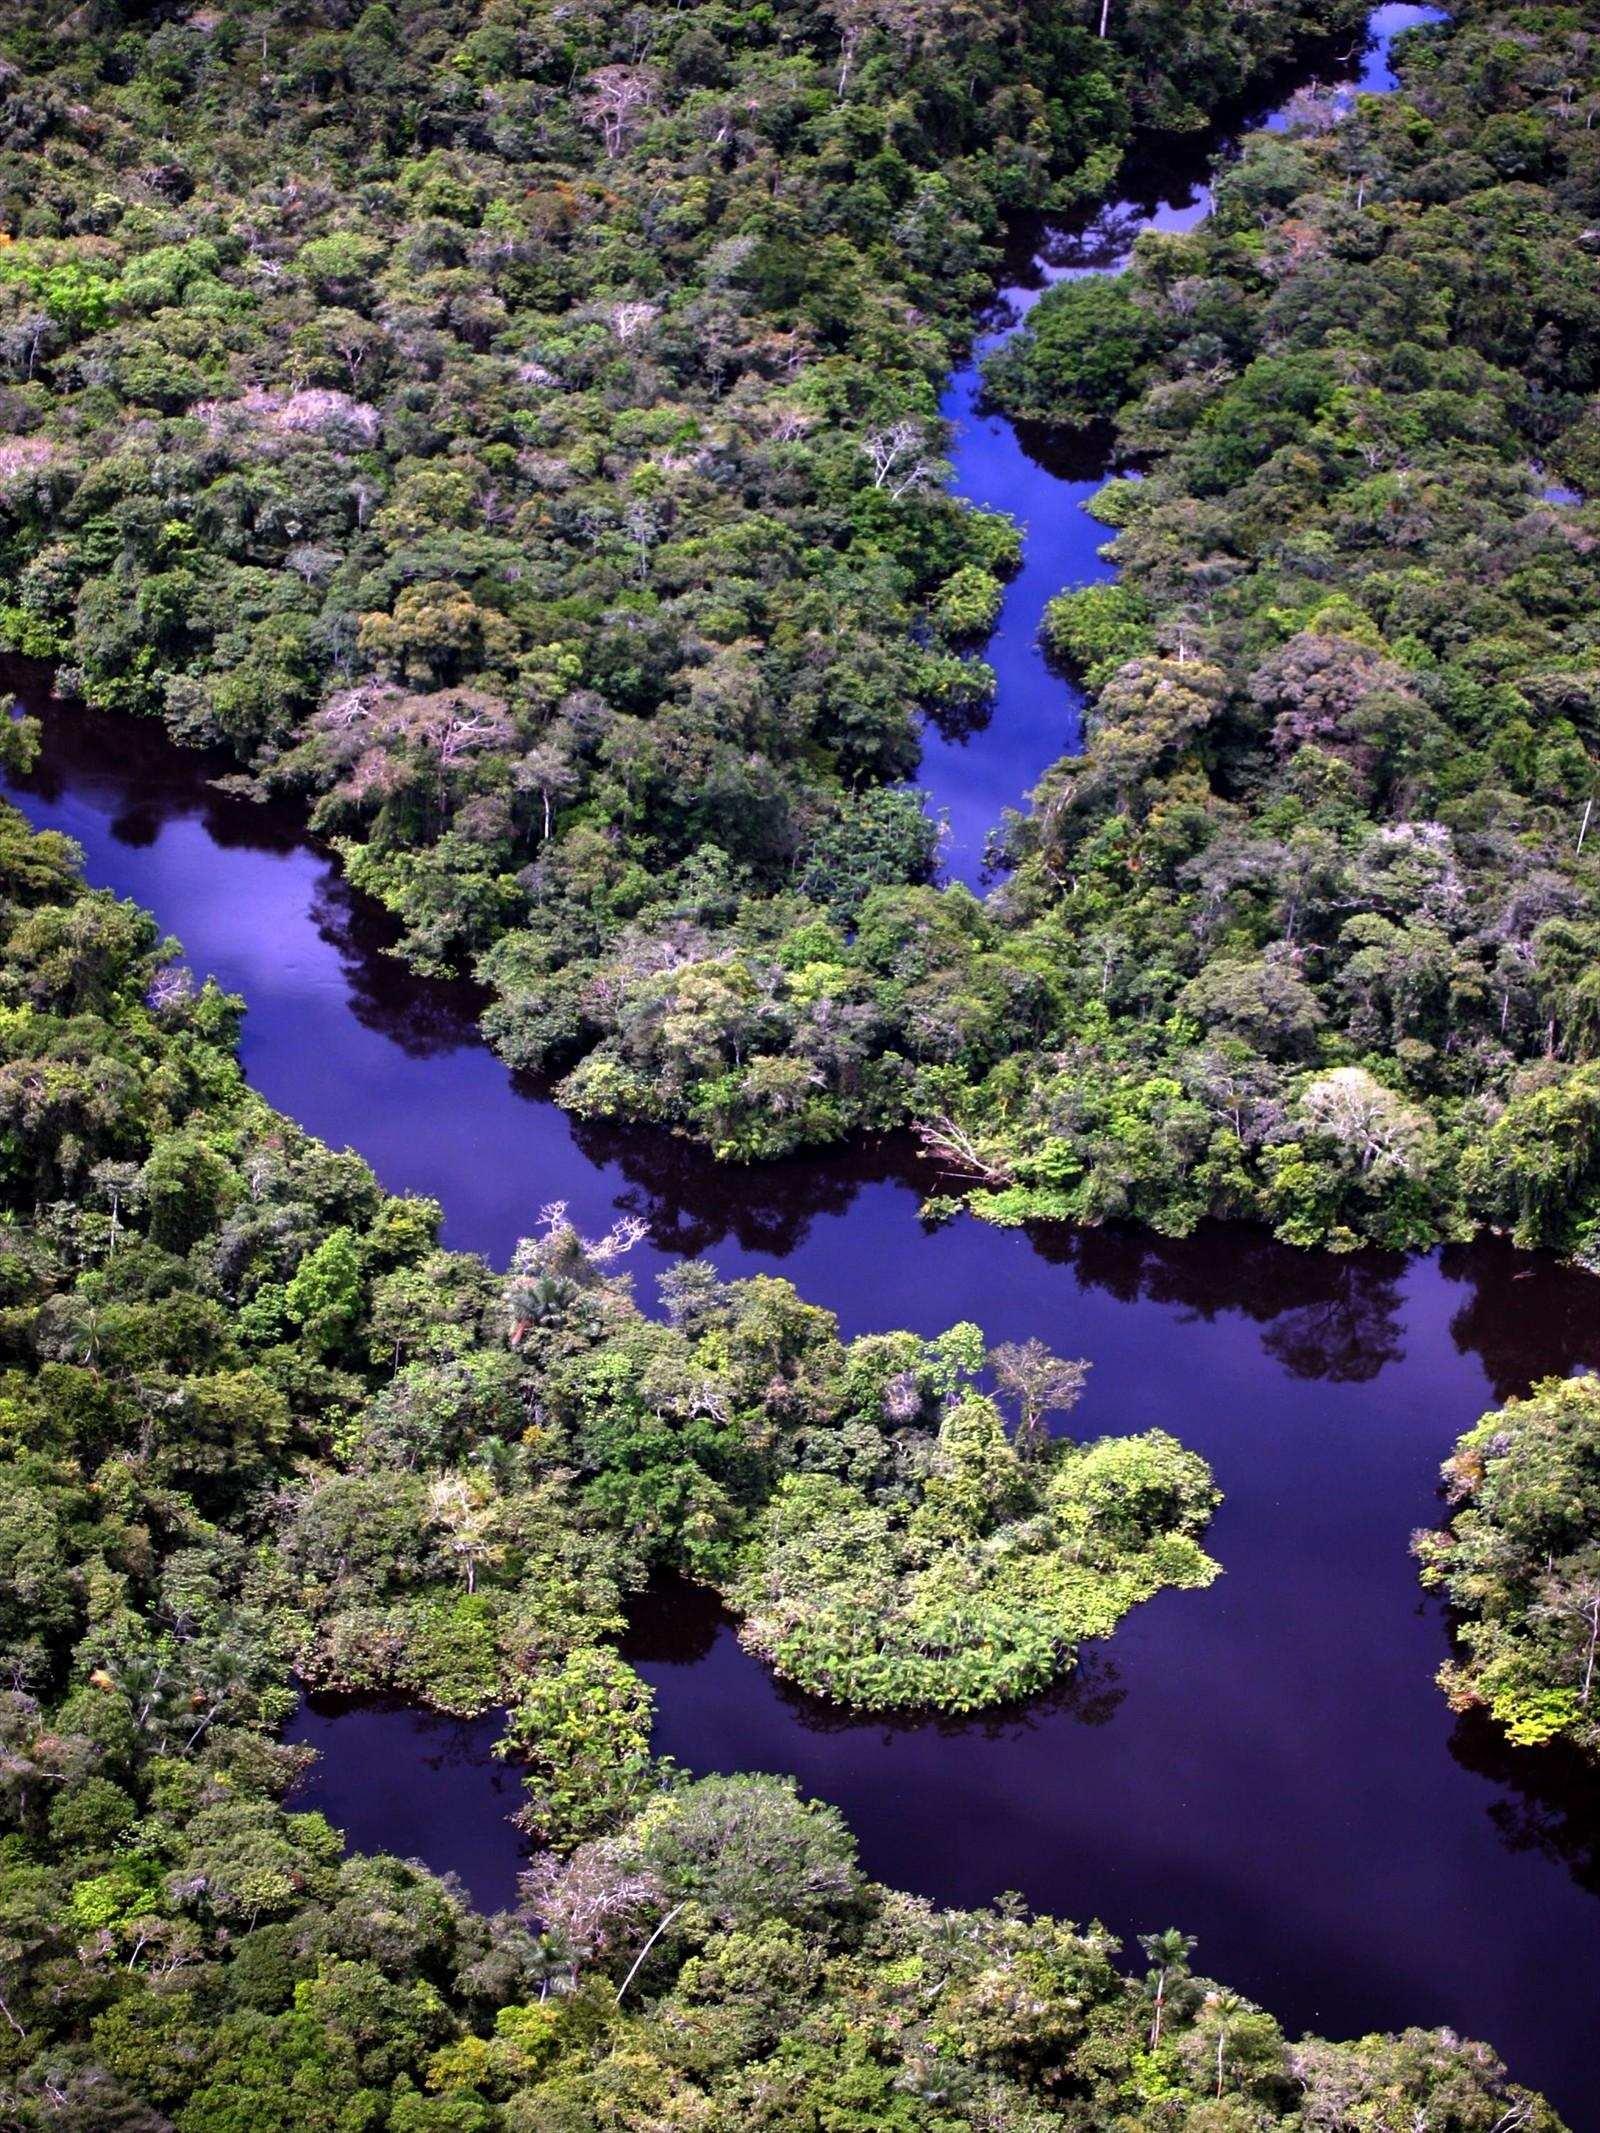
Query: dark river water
[
  {"x": 1266, "y": 1764},
  {"x": 1045, "y": 480}
]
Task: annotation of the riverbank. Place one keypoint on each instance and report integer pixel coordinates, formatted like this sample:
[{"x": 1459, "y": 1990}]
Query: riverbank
[
  {"x": 1336, "y": 1807},
  {"x": 1270, "y": 1762}
]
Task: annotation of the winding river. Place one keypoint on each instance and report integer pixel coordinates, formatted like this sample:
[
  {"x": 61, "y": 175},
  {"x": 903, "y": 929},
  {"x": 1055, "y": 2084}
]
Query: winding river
[
  {"x": 1045, "y": 480},
  {"x": 1267, "y": 1763}
]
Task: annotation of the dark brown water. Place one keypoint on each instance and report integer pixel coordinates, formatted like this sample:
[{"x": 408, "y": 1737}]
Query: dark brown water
[{"x": 1266, "y": 1764}]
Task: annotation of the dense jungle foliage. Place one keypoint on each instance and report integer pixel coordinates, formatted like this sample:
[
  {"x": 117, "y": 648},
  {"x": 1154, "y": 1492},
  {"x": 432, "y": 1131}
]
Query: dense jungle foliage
[
  {"x": 1324, "y": 877},
  {"x": 519, "y": 433},
  {"x": 1520, "y": 1564},
  {"x": 259, "y": 1419},
  {"x": 238, "y": 1976},
  {"x": 515, "y": 427},
  {"x": 254, "y": 1422}
]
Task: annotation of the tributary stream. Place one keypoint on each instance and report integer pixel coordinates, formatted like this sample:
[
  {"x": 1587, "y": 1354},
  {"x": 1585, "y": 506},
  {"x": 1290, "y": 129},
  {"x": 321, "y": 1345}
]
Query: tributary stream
[{"x": 1267, "y": 1764}]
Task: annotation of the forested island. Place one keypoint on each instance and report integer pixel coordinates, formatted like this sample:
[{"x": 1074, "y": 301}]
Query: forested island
[
  {"x": 513, "y": 431},
  {"x": 257, "y": 1424}
]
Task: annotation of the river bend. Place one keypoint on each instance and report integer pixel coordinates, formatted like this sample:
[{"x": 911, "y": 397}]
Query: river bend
[{"x": 1266, "y": 1763}]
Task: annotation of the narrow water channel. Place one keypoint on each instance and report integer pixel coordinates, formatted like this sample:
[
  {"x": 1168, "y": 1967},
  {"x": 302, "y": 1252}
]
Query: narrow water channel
[
  {"x": 973, "y": 774},
  {"x": 1266, "y": 1764}
]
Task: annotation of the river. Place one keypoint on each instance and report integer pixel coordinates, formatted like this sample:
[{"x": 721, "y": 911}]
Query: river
[
  {"x": 1045, "y": 481},
  {"x": 1266, "y": 1764}
]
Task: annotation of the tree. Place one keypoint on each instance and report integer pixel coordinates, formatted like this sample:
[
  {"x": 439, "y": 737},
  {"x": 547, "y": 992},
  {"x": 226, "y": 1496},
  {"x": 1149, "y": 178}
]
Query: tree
[
  {"x": 1317, "y": 685},
  {"x": 899, "y": 457},
  {"x": 1575, "y": 1598},
  {"x": 20, "y": 737},
  {"x": 1224, "y": 2008},
  {"x": 1260, "y": 1002},
  {"x": 1149, "y": 709},
  {"x": 584, "y": 1725},
  {"x": 155, "y": 1688},
  {"x": 746, "y": 1849},
  {"x": 468, "y": 1515},
  {"x": 1041, "y": 1383},
  {"x": 1231, "y": 2035},
  {"x": 1521, "y": 1565},
  {"x": 1169, "y": 1954},
  {"x": 1239, "y": 1089},
  {"x": 614, "y": 102},
  {"x": 1382, "y": 1132},
  {"x": 1080, "y": 355},
  {"x": 547, "y": 770},
  {"x": 591, "y": 1903},
  {"x": 326, "y": 1293}
]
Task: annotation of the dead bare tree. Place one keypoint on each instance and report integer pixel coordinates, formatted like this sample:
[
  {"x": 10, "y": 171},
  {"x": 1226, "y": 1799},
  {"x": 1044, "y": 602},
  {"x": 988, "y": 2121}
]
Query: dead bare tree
[
  {"x": 947, "y": 1142},
  {"x": 899, "y": 457},
  {"x": 615, "y": 102}
]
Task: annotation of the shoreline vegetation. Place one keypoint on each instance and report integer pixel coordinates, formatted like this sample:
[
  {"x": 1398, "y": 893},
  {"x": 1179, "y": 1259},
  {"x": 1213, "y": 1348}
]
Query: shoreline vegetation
[
  {"x": 460, "y": 1474},
  {"x": 255, "y": 1422},
  {"x": 579, "y": 542},
  {"x": 256, "y": 1426},
  {"x": 1519, "y": 1563},
  {"x": 599, "y": 666}
]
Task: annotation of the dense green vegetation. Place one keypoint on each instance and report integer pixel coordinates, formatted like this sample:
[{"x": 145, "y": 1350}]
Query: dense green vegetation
[
  {"x": 227, "y": 1972},
  {"x": 515, "y": 428},
  {"x": 1520, "y": 1564},
  {"x": 1306, "y": 935},
  {"x": 1321, "y": 872},
  {"x": 517, "y": 432},
  {"x": 253, "y": 1421},
  {"x": 257, "y": 1419}
]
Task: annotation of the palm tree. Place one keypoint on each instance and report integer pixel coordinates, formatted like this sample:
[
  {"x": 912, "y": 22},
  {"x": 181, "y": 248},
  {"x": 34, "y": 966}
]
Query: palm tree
[
  {"x": 1226, "y": 2007},
  {"x": 543, "y": 1301},
  {"x": 157, "y": 1699},
  {"x": 1169, "y": 1952},
  {"x": 118, "y": 1185},
  {"x": 221, "y": 1678},
  {"x": 552, "y": 1965},
  {"x": 503, "y": 1466}
]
